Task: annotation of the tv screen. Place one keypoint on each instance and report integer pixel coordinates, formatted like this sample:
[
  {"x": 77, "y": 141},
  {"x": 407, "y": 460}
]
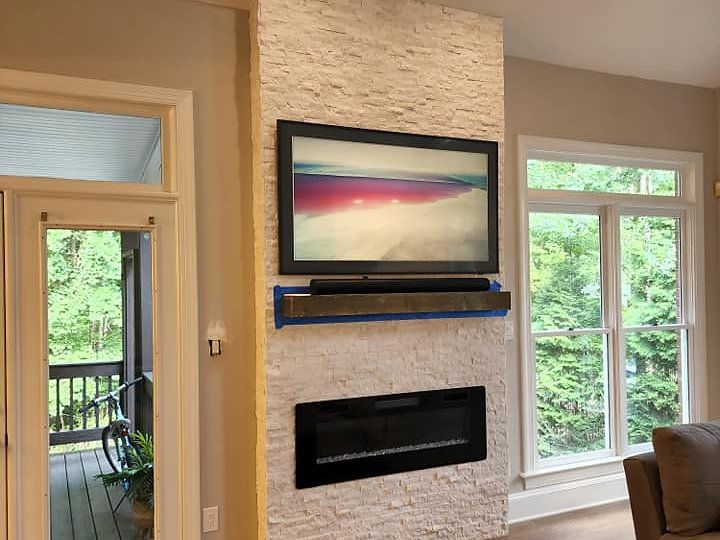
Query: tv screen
[{"x": 358, "y": 201}]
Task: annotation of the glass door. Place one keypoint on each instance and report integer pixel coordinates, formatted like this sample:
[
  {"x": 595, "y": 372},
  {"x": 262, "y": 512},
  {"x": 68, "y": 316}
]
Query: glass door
[
  {"x": 96, "y": 335},
  {"x": 3, "y": 387},
  {"x": 101, "y": 446}
]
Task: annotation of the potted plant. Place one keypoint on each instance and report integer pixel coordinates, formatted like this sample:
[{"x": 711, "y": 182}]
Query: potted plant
[{"x": 138, "y": 480}]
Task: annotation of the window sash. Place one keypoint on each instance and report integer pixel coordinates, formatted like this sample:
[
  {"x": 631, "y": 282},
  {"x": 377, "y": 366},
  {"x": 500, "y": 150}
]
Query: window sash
[
  {"x": 608, "y": 451},
  {"x": 685, "y": 388},
  {"x": 616, "y": 446},
  {"x": 580, "y": 211},
  {"x": 616, "y": 421},
  {"x": 681, "y": 312}
]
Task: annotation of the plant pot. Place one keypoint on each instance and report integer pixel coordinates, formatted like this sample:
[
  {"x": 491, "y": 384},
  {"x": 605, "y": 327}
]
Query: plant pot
[{"x": 144, "y": 518}]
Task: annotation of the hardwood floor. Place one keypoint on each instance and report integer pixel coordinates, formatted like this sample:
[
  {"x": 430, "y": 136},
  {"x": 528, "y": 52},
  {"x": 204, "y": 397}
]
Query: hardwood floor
[
  {"x": 610, "y": 522},
  {"x": 81, "y": 508}
]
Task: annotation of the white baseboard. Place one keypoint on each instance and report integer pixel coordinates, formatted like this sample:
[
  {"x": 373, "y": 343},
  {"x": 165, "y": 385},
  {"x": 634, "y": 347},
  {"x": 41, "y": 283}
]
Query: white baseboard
[{"x": 561, "y": 498}]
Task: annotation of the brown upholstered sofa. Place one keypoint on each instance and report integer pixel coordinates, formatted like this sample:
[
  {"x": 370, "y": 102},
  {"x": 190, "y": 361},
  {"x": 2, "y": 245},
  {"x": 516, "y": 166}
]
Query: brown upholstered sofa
[{"x": 675, "y": 491}]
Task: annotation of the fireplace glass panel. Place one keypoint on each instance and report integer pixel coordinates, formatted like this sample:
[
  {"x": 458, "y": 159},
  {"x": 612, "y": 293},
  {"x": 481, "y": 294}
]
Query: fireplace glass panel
[
  {"x": 355, "y": 438},
  {"x": 341, "y": 439}
]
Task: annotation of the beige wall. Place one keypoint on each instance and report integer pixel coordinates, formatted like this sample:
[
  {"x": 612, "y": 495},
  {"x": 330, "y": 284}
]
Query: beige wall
[
  {"x": 204, "y": 48},
  {"x": 401, "y": 66},
  {"x": 552, "y": 101},
  {"x": 182, "y": 44}
]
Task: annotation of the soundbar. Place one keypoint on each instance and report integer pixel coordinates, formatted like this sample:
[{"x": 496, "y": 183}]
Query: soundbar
[{"x": 370, "y": 286}]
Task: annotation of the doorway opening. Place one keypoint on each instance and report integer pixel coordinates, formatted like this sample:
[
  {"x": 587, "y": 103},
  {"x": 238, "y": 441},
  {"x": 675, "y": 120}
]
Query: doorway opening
[
  {"x": 108, "y": 166},
  {"x": 100, "y": 383}
]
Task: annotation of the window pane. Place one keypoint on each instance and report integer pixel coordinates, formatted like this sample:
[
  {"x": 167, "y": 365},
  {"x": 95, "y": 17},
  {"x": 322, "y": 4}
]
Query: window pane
[
  {"x": 78, "y": 145},
  {"x": 653, "y": 371},
  {"x": 608, "y": 178},
  {"x": 85, "y": 302},
  {"x": 571, "y": 396},
  {"x": 565, "y": 271},
  {"x": 100, "y": 328},
  {"x": 650, "y": 259}
]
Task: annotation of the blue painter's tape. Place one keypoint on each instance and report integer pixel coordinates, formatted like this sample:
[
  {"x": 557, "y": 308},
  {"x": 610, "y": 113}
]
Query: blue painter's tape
[
  {"x": 278, "y": 293},
  {"x": 280, "y": 321}
]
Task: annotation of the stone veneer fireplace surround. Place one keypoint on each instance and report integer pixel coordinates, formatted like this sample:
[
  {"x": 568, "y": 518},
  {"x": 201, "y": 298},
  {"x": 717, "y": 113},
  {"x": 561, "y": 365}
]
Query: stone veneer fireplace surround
[{"x": 399, "y": 66}]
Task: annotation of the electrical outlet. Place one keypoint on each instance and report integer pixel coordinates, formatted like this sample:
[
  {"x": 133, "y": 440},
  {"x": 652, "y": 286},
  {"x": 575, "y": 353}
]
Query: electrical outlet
[{"x": 210, "y": 521}]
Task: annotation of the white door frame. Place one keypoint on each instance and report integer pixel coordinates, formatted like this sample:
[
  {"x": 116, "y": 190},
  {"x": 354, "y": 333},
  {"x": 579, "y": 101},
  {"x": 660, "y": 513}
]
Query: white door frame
[
  {"x": 3, "y": 402},
  {"x": 181, "y": 522}
]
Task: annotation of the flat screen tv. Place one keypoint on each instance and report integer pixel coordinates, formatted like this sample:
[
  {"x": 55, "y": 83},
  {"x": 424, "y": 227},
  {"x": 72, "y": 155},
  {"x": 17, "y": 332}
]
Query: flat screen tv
[{"x": 359, "y": 201}]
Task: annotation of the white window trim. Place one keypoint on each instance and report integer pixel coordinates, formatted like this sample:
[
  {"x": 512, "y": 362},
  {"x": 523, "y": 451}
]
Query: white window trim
[{"x": 689, "y": 204}]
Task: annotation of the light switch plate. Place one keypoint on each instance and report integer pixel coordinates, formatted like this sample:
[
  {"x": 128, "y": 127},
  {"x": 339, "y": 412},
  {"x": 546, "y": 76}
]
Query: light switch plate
[
  {"x": 210, "y": 520},
  {"x": 509, "y": 329}
]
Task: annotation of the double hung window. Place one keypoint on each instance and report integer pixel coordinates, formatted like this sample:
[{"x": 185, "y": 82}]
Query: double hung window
[{"x": 611, "y": 322}]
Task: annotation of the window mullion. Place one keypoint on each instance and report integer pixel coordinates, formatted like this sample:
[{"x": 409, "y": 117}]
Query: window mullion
[
  {"x": 687, "y": 281},
  {"x": 612, "y": 311}
]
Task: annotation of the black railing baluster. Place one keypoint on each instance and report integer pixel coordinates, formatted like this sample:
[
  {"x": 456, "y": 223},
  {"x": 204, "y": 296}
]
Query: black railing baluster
[
  {"x": 109, "y": 386},
  {"x": 84, "y": 401},
  {"x": 72, "y": 405},
  {"x": 58, "y": 418},
  {"x": 97, "y": 395},
  {"x": 67, "y": 426}
]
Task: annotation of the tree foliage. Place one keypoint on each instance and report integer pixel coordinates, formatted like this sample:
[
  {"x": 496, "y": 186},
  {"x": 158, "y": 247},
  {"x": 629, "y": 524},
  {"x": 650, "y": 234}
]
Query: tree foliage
[
  {"x": 566, "y": 291},
  {"x": 85, "y": 318},
  {"x": 84, "y": 296}
]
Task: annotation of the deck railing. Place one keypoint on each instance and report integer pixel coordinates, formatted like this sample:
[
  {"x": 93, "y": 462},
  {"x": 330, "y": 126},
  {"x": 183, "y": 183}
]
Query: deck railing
[{"x": 71, "y": 386}]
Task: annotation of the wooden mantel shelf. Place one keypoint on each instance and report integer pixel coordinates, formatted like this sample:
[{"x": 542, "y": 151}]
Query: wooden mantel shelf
[{"x": 339, "y": 305}]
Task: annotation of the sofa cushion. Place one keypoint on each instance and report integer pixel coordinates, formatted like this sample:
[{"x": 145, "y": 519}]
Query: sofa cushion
[{"x": 688, "y": 457}]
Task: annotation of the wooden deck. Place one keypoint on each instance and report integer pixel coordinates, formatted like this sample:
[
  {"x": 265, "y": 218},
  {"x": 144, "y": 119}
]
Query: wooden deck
[{"x": 81, "y": 507}]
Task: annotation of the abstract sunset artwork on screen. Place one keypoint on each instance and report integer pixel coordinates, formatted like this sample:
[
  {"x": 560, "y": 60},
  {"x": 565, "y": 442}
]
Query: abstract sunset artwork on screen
[{"x": 357, "y": 201}]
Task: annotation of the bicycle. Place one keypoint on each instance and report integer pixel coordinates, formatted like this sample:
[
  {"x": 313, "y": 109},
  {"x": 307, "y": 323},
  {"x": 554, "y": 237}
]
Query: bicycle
[{"x": 115, "y": 436}]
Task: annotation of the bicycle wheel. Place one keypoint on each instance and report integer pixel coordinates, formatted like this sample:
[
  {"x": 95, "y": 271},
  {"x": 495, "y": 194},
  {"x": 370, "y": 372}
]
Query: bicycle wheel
[{"x": 113, "y": 443}]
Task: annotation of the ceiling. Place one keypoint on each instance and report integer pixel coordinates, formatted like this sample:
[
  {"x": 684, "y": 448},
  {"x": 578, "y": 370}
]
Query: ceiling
[
  {"x": 667, "y": 40},
  {"x": 79, "y": 145}
]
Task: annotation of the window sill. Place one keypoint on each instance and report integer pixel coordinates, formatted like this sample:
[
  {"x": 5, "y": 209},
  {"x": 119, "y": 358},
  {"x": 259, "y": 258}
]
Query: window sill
[{"x": 570, "y": 472}]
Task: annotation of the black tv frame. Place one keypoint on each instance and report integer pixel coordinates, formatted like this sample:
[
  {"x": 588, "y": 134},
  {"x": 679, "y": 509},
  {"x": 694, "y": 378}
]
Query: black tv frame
[{"x": 286, "y": 130}]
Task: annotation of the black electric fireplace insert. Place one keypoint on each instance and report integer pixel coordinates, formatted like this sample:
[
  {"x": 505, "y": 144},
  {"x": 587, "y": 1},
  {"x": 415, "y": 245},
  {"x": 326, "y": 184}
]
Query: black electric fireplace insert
[{"x": 347, "y": 439}]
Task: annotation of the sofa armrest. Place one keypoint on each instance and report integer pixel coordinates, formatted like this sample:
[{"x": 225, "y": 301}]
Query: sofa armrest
[{"x": 643, "y": 481}]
